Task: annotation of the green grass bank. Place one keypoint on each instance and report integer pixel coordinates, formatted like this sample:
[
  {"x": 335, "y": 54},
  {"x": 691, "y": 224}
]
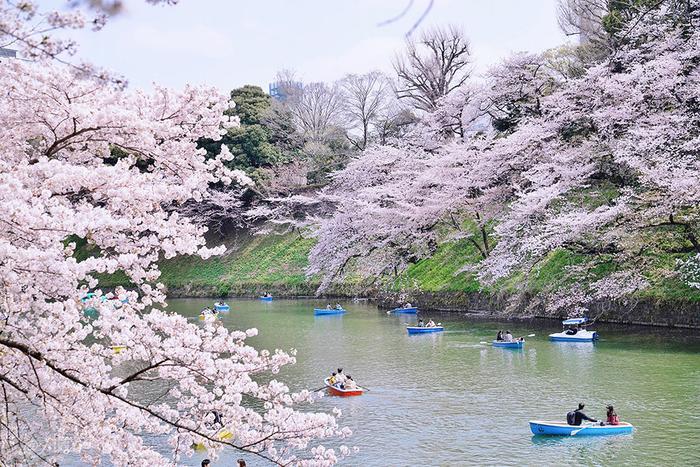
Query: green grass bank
[{"x": 254, "y": 265}]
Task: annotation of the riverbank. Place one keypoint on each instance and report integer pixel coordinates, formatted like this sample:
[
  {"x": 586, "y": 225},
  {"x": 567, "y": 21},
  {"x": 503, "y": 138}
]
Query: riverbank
[
  {"x": 255, "y": 265},
  {"x": 639, "y": 313}
]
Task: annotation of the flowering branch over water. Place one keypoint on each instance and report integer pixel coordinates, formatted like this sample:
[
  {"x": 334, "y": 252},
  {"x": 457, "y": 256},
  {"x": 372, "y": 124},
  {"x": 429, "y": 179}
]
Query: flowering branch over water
[{"x": 89, "y": 173}]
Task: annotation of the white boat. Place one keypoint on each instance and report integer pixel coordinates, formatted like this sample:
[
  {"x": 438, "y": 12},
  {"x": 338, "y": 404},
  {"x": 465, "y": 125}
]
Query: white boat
[{"x": 574, "y": 331}]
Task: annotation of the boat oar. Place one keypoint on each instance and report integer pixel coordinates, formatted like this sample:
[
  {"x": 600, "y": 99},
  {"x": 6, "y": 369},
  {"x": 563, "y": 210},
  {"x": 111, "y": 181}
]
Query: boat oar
[
  {"x": 573, "y": 433},
  {"x": 322, "y": 387}
]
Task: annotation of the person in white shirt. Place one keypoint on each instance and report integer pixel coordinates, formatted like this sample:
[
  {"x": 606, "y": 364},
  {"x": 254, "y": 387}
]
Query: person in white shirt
[
  {"x": 508, "y": 337},
  {"x": 350, "y": 383},
  {"x": 340, "y": 377},
  {"x": 431, "y": 323},
  {"x": 408, "y": 305}
]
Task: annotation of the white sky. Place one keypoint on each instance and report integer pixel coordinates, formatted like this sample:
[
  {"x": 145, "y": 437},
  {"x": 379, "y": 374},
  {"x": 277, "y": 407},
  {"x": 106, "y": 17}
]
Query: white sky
[{"x": 228, "y": 43}]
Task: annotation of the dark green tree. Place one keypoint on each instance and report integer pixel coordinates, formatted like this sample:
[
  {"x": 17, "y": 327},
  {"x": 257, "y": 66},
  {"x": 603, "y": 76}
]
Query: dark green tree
[
  {"x": 265, "y": 137},
  {"x": 251, "y": 104}
]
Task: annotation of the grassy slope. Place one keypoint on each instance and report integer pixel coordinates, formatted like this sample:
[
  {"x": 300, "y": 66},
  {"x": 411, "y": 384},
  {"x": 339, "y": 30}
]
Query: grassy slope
[
  {"x": 442, "y": 271},
  {"x": 274, "y": 261},
  {"x": 277, "y": 263}
]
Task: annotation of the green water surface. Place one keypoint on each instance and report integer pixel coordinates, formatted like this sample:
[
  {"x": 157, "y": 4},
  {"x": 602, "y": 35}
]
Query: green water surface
[{"x": 452, "y": 399}]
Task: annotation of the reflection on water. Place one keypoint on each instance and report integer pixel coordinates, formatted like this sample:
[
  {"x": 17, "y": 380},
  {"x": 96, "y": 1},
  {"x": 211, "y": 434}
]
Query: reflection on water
[{"x": 451, "y": 399}]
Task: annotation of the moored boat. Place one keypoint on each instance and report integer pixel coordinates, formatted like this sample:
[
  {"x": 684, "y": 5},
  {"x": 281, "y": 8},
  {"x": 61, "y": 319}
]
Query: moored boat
[
  {"x": 409, "y": 310},
  {"x": 423, "y": 329},
  {"x": 574, "y": 331},
  {"x": 221, "y": 306},
  {"x": 326, "y": 311},
  {"x": 336, "y": 391},
  {"x": 265, "y": 298},
  {"x": 509, "y": 345},
  {"x": 550, "y": 428}
]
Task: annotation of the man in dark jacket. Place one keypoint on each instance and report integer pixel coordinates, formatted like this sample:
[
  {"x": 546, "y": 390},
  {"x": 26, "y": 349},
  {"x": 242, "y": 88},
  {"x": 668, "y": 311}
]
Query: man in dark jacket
[{"x": 577, "y": 416}]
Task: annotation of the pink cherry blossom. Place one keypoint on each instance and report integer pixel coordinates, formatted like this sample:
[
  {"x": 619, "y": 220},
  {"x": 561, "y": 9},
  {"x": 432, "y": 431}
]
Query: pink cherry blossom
[{"x": 82, "y": 159}]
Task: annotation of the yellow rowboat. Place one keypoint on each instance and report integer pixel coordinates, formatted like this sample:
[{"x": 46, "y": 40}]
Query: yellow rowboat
[
  {"x": 222, "y": 435},
  {"x": 117, "y": 349}
]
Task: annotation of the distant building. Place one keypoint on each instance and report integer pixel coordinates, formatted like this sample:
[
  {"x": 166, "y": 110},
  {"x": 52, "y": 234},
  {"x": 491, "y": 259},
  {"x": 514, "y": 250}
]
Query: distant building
[
  {"x": 281, "y": 90},
  {"x": 7, "y": 53}
]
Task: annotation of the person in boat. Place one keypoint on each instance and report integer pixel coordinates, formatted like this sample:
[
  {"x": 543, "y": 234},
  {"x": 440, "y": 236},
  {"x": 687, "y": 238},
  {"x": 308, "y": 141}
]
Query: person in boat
[
  {"x": 338, "y": 307},
  {"x": 420, "y": 323},
  {"x": 332, "y": 380},
  {"x": 508, "y": 337},
  {"x": 612, "y": 418},
  {"x": 340, "y": 378},
  {"x": 499, "y": 336},
  {"x": 350, "y": 384},
  {"x": 577, "y": 416},
  {"x": 572, "y": 330},
  {"x": 431, "y": 323},
  {"x": 408, "y": 305},
  {"x": 206, "y": 463},
  {"x": 218, "y": 420},
  {"x": 329, "y": 307}
]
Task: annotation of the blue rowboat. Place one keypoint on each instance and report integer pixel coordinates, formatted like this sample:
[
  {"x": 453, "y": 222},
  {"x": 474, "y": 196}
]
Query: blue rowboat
[
  {"x": 412, "y": 310},
  {"x": 509, "y": 345},
  {"x": 548, "y": 428},
  {"x": 91, "y": 295},
  {"x": 423, "y": 330},
  {"x": 326, "y": 311},
  {"x": 221, "y": 307},
  {"x": 266, "y": 299}
]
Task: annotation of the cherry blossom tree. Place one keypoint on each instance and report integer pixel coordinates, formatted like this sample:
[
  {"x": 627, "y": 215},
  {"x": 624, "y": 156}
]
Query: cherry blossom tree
[
  {"x": 517, "y": 86},
  {"x": 603, "y": 165},
  {"x": 634, "y": 131},
  {"x": 82, "y": 160},
  {"x": 390, "y": 205}
]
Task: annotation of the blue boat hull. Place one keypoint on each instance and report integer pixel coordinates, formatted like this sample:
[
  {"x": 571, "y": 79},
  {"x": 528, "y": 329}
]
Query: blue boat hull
[
  {"x": 324, "y": 311},
  {"x": 423, "y": 330},
  {"x": 266, "y": 299},
  {"x": 412, "y": 310},
  {"x": 562, "y": 429},
  {"x": 509, "y": 345},
  {"x": 222, "y": 307}
]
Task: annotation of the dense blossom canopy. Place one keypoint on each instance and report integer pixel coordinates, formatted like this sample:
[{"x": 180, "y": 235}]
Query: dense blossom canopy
[
  {"x": 87, "y": 167},
  {"x": 590, "y": 162}
]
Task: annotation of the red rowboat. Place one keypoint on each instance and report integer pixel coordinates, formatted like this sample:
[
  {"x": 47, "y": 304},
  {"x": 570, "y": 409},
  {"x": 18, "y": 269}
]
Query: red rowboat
[{"x": 336, "y": 391}]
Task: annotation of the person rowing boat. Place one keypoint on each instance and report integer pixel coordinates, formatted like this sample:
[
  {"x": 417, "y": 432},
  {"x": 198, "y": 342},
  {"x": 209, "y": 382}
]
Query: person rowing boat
[{"x": 576, "y": 417}]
